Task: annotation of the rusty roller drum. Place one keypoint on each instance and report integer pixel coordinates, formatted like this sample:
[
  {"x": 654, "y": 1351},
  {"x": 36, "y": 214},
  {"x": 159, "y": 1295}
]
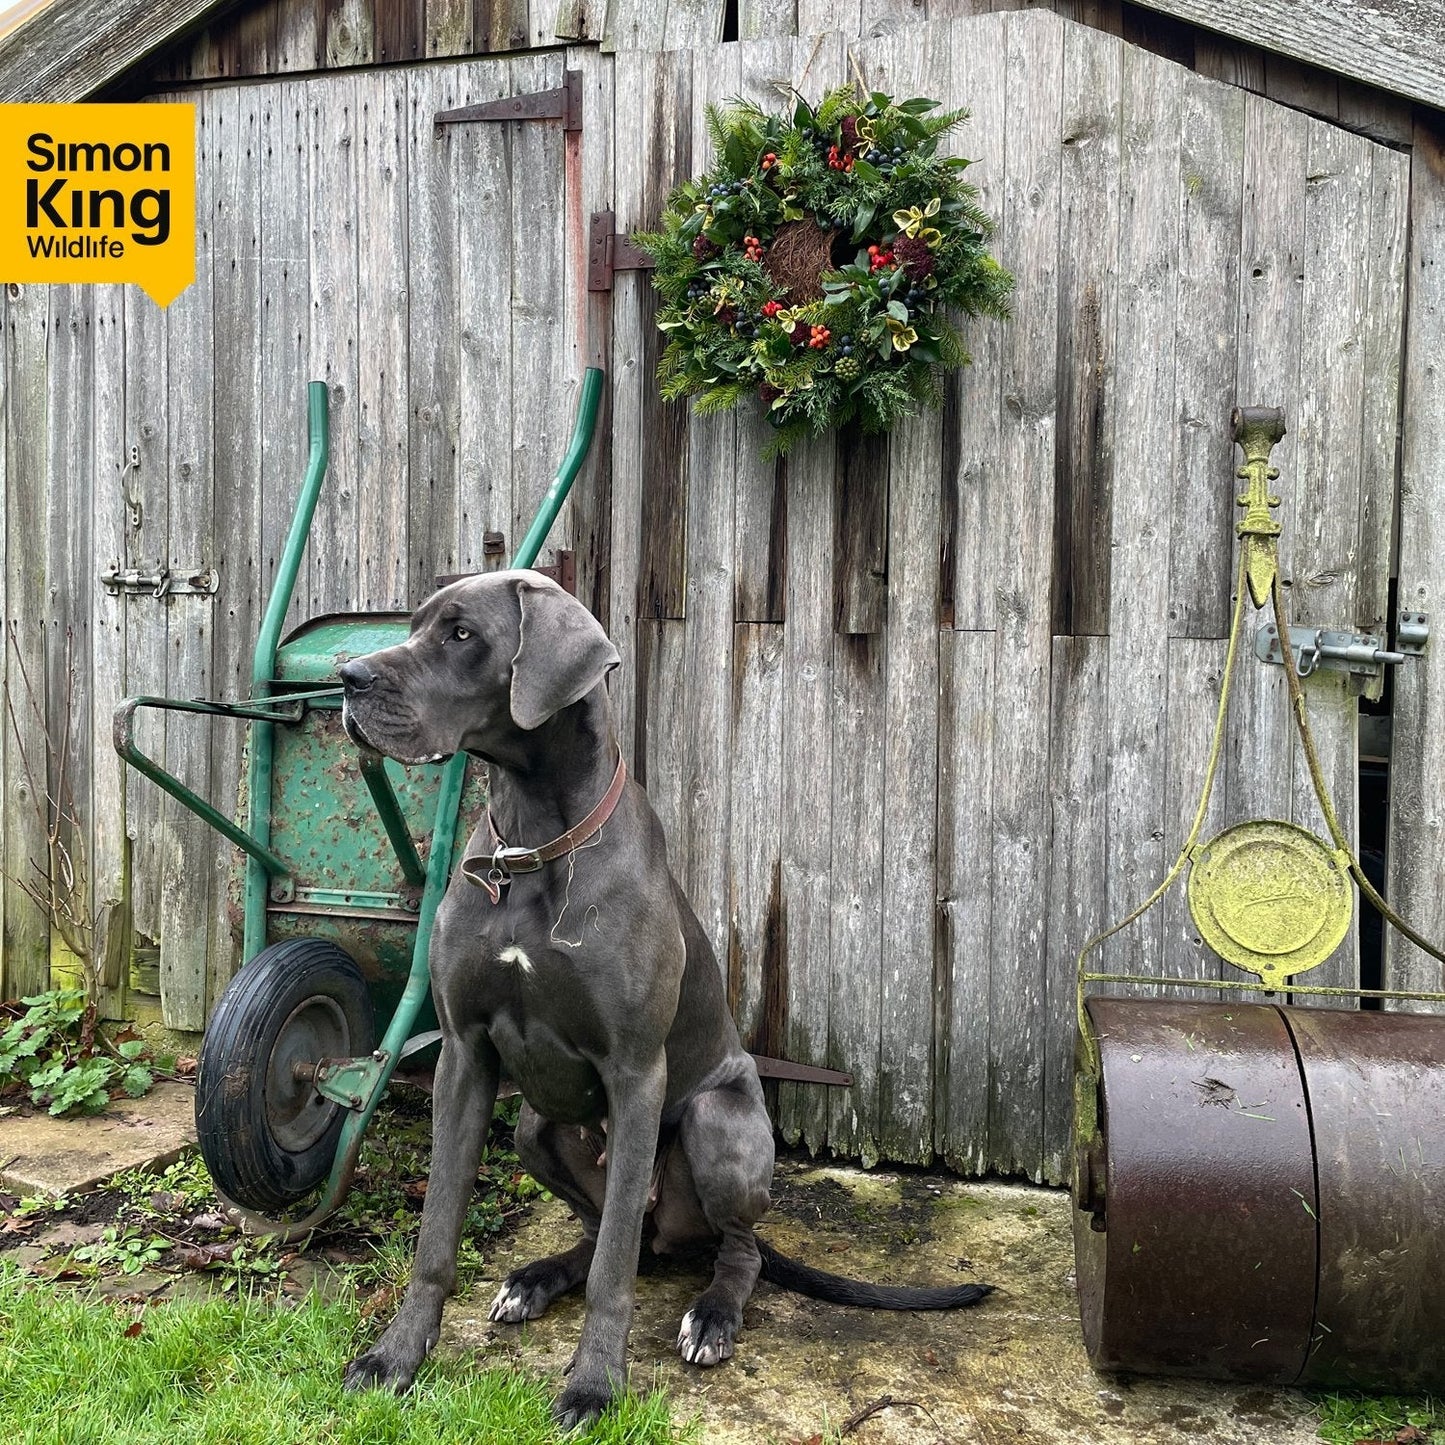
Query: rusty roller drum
[{"x": 1260, "y": 1193}]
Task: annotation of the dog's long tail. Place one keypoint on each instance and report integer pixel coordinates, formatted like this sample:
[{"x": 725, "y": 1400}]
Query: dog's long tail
[{"x": 836, "y": 1289}]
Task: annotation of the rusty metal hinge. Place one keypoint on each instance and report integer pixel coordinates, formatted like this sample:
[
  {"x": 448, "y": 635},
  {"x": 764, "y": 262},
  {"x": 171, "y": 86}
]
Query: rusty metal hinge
[
  {"x": 564, "y": 104},
  {"x": 609, "y": 250}
]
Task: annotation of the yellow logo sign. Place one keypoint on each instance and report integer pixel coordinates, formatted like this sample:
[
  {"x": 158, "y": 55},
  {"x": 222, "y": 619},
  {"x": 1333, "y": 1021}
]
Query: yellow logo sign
[{"x": 99, "y": 193}]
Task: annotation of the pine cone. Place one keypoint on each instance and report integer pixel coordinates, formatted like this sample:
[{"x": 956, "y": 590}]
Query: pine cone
[{"x": 914, "y": 256}]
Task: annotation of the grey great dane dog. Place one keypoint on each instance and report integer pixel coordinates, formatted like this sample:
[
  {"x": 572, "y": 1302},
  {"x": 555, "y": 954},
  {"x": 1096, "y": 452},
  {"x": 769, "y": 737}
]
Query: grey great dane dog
[{"x": 588, "y": 981}]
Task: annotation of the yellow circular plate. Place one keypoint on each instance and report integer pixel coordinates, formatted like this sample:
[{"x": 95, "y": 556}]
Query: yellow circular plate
[{"x": 1270, "y": 897}]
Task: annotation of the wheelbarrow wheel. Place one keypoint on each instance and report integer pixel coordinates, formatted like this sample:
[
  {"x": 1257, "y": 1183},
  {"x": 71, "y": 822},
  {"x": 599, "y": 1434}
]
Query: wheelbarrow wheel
[{"x": 267, "y": 1136}]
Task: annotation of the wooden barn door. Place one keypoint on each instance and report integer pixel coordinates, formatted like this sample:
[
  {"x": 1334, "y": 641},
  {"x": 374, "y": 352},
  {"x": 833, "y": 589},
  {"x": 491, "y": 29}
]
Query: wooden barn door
[
  {"x": 430, "y": 275},
  {"x": 921, "y": 715}
]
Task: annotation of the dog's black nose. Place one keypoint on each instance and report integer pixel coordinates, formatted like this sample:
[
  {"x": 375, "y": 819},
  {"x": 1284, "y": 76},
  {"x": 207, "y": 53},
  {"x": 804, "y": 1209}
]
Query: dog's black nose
[{"x": 355, "y": 675}]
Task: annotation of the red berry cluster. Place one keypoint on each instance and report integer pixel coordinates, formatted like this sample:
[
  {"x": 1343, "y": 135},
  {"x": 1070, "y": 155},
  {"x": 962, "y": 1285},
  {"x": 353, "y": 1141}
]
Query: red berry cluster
[
  {"x": 819, "y": 338},
  {"x": 770, "y": 160},
  {"x": 752, "y": 248},
  {"x": 771, "y": 308},
  {"x": 839, "y": 160},
  {"x": 879, "y": 258}
]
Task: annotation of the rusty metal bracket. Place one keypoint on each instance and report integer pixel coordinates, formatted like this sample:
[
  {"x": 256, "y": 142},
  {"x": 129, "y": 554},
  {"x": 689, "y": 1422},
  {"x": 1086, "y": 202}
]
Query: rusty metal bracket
[
  {"x": 609, "y": 250},
  {"x": 564, "y": 104}
]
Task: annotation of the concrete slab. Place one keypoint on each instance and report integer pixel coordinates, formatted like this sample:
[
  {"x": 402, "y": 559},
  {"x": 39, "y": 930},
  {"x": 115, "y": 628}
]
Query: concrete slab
[
  {"x": 1011, "y": 1370},
  {"x": 41, "y": 1155}
]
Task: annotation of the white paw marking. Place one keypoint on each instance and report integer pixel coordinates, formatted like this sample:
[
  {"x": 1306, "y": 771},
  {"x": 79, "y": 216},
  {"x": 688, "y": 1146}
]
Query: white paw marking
[{"x": 513, "y": 954}]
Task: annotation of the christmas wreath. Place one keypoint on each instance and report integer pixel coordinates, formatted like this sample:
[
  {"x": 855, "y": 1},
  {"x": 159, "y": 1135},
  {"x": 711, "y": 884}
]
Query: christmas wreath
[{"x": 816, "y": 264}]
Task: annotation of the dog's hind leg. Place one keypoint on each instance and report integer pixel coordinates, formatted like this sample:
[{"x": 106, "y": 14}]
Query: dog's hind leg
[
  {"x": 562, "y": 1160},
  {"x": 728, "y": 1142},
  {"x": 466, "y": 1089}
]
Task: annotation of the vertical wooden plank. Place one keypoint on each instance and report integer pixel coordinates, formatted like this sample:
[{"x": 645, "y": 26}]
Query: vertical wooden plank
[
  {"x": 808, "y": 770},
  {"x": 1201, "y": 485},
  {"x": 702, "y": 709},
  {"x": 400, "y": 29},
  {"x": 818, "y": 17},
  {"x": 236, "y": 270},
  {"x": 1077, "y": 868},
  {"x": 298, "y": 37},
  {"x": 333, "y": 267},
  {"x": 147, "y": 361},
  {"x": 760, "y": 19},
  {"x": 500, "y": 25},
  {"x": 1327, "y": 485},
  {"x": 588, "y": 326},
  {"x": 692, "y": 24},
  {"x": 653, "y": 149},
  {"x": 634, "y": 25},
  {"x": 1088, "y": 253},
  {"x": 1146, "y": 444},
  {"x": 285, "y": 217},
  {"x": 856, "y": 926},
  {"x": 348, "y": 33},
  {"x": 448, "y": 27},
  {"x": 1417, "y": 765},
  {"x": 860, "y": 532},
  {"x": 968, "y": 724},
  {"x": 432, "y": 331},
  {"x": 540, "y": 419},
  {"x": 1032, "y": 76},
  {"x": 1271, "y": 263},
  {"x": 910, "y": 800},
  {"x": 757, "y": 981},
  {"x": 485, "y": 286},
  {"x": 384, "y": 298},
  {"x": 1382, "y": 326},
  {"x": 27, "y": 933},
  {"x": 190, "y": 848},
  {"x": 877, "y": 18},
  {"x": 975, "y": 487},
  {"x": 63, "y": 688}
]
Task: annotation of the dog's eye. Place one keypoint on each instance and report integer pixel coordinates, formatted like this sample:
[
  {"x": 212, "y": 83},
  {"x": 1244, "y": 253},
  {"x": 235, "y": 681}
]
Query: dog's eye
[{"x": 461, "y": 633}]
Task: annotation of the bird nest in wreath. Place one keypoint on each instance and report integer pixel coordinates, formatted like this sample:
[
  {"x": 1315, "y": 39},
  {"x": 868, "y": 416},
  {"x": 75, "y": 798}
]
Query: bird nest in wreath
[{"x": 820, "y": 263}]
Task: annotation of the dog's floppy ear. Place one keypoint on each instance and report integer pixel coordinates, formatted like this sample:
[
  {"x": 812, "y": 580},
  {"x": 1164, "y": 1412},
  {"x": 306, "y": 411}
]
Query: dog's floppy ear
[{"x": 562, "y": 655}]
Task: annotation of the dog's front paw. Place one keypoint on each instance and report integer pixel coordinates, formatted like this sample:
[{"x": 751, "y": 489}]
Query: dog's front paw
[
  {"x": 392, "y": 1362},
  {"x": 376, "y": 1370},
  {"x": 579, "y": 1405},
  {"x": 707, "y": 1335}
]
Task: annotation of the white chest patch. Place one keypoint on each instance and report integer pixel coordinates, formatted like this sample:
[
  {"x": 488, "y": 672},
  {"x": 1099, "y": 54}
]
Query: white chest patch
[{"x": 515, "y": 955}]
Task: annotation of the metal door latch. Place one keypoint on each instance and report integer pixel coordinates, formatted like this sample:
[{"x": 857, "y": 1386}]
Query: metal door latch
[
  {"x": 167, "y": 582},
  {"x": 1360, "y": 653}
]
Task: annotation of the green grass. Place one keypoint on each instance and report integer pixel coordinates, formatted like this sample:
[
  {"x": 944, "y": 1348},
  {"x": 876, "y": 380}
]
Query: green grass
[
  {"x": 75, "y": 1370},
  {"x": 1347, "y": 1418}
]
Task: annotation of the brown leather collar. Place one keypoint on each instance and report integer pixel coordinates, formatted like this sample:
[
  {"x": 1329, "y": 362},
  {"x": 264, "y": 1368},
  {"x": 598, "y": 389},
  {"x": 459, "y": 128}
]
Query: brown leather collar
[{"x": 494, "y": 871}]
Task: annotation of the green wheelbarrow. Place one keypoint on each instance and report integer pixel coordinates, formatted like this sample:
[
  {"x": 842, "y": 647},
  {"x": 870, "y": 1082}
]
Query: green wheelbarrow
[
  {"x": 346, "y": 862},
  {"x": 347, "y": 858}
]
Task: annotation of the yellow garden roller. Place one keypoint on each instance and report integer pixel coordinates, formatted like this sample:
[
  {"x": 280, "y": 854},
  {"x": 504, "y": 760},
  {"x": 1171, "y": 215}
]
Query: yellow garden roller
[{"x": 1259, "y": 1188}]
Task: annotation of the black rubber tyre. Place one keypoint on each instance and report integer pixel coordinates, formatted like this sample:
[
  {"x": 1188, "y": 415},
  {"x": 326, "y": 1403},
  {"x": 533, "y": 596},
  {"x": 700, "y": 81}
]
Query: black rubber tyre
[{"x": 267, "y": 1137}]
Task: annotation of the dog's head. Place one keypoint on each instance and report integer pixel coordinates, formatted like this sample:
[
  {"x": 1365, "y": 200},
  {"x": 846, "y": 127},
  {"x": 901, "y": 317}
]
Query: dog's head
[{"x": 488, "y": 660}]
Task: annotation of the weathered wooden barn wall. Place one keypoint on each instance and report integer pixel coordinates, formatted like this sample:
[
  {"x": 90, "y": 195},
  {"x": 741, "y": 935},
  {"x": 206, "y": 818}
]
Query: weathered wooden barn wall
[
  {"x": 919, "y": 715},
  {"x": 974, "y": 670}
]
